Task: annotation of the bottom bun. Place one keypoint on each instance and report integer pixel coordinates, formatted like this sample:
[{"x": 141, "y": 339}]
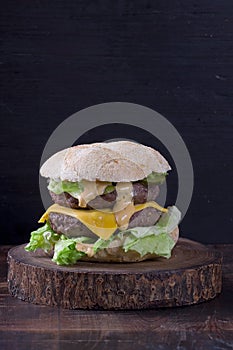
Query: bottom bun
[{"x": 117, "y": 254}]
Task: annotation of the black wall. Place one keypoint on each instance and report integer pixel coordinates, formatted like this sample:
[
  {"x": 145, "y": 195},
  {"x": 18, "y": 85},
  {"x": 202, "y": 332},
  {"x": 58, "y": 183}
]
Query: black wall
[{"x": 176, "y": 57}]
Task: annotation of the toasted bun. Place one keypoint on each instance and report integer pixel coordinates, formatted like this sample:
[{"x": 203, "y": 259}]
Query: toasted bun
[
  {"x": 119, "y": 161},
  {"x": 117, "y": 254}
]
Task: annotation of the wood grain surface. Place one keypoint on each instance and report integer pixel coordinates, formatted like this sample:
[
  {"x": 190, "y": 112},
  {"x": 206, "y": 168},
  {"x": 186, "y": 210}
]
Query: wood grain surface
[
  {"x": 205, "y": 326},
  {"x": 193, "y": 274}
]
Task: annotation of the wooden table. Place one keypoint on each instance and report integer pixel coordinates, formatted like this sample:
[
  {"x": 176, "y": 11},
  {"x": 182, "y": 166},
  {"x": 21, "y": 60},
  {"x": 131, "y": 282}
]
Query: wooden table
[{"x": 204, "y": 326}]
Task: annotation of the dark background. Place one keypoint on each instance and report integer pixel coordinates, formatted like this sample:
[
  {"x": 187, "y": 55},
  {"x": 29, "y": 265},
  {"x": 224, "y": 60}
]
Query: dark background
[{"x": 176, "y": 57}]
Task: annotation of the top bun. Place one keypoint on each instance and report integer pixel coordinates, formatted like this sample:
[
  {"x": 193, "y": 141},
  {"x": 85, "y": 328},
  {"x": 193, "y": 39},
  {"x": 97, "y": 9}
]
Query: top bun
[{"x": 120, "y": 161}]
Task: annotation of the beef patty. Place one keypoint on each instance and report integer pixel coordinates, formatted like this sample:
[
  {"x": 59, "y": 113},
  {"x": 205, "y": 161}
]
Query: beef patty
[
  {"x": 72, "y": 227},
  {"x": 141, "y": 194}
]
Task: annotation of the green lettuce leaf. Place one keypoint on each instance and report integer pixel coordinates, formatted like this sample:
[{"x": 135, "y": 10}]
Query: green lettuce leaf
[
  {"x": 65, "y": 252},
  {"x": 166, "y": 224},
  {"x": 161, "y": 244},
  {"x": 102, "y": 243},
  {"x": 156, "y": 178},
  {"x": 169, "y": 220},
  {"x": 44, "y": 238},
  {"x": 154, "y": 239},
  {"x": 109, "y": 189},
  {"x": 58, "y": 187}
]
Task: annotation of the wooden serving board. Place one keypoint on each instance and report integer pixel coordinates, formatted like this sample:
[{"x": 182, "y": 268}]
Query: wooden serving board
[{"x": 192, "y": 275}]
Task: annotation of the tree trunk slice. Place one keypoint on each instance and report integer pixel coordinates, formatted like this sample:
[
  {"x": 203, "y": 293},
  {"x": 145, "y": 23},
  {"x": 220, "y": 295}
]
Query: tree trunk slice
[{"x": 192, "y": 275}]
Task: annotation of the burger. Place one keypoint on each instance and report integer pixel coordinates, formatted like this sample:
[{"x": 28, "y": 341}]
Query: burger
[{"x": 105, "y": 207}]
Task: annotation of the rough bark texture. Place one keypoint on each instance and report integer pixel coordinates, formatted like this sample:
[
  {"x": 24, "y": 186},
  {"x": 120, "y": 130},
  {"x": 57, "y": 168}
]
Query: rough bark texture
[{"x": 192, "y": 275}]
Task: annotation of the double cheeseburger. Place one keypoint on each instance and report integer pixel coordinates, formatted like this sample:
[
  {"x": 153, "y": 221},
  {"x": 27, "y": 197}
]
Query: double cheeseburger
[{"x": 105, "y": 205}]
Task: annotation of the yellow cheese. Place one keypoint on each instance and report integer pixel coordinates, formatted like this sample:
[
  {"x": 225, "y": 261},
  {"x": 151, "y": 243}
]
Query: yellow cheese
[
  {"x": 102, "y": 223},
  {"x": 123, "y": 216},
  {"x": 155, "y": 205}
]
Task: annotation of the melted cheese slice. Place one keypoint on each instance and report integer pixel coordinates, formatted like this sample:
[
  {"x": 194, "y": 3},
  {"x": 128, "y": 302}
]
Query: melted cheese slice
[
  {"x": 123, "y": 216},
  {"x": 155, "y": 205},
  {"x": 102, "y": 223}
]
